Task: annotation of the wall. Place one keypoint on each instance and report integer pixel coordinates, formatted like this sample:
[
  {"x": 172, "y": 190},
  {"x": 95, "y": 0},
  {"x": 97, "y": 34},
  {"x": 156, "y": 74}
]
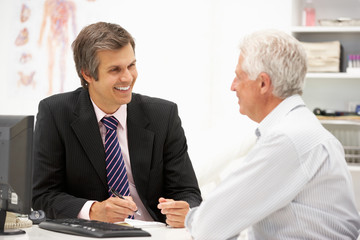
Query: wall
[{"x": 186, "y": 52}]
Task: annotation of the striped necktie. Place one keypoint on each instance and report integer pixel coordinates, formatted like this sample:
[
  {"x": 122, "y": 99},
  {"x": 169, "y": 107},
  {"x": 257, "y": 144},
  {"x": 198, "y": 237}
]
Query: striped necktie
[{"x": 115, "y": 165}]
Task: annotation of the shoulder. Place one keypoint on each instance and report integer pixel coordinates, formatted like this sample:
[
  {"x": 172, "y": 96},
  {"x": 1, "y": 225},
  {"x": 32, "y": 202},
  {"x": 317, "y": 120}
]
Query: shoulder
[
  {"x": 64, "y": 98},
  {"x": 151, "y": 103},
  {"x": 156, "y": 111},
  {"x": 147, "y": 100},
  {"x": 65, "y": 104},
  {"x": 303, "y": 130}
]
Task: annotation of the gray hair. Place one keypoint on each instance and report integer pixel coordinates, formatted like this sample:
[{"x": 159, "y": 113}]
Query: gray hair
[
  {"x": 93, "y": 38},
  {"x": 279, "y": 55}
]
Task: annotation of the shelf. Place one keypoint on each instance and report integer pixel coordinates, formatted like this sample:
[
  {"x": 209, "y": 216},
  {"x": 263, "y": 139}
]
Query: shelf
[
  {"x": 331, "y": 90},
  {"x": 323, "y": 29},
  {"x": 355, "y": 121},
  {"x": 340, "y": 75},
  {"x": 354, "y": 167}
]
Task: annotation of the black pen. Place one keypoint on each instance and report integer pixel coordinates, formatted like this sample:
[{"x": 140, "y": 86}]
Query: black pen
[{"x": 122, "y": 197}]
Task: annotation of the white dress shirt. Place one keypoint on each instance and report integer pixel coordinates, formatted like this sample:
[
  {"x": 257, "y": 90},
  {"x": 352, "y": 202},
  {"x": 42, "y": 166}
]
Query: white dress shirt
[
  {"x": 121, "y": 116},
  {"x": 293, "y": 184}
]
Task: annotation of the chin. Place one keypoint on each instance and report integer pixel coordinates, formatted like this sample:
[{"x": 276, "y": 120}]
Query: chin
[
  {"x": 241, "y": 112},
  {"x": 126, "y": 100}
]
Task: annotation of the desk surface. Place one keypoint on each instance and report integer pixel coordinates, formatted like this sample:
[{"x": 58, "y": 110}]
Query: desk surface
[{"x": 158, "y": 233}]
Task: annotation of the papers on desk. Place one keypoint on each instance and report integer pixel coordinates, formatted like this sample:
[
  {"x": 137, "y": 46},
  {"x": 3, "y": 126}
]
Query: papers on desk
[{"x": 141, "y": 224}]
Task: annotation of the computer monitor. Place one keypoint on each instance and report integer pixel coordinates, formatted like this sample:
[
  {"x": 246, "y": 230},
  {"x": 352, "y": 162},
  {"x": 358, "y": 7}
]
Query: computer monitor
[{"x": 16, "y": 155}]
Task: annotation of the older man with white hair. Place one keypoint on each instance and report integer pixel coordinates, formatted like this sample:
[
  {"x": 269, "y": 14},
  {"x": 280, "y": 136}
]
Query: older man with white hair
[{"x": 294, "y": 183}]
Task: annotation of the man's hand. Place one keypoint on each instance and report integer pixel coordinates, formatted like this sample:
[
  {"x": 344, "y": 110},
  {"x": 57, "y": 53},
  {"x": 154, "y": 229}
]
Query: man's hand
[
  {"x": 175, "y": 211},
  {"x": 113, "y": 209}
]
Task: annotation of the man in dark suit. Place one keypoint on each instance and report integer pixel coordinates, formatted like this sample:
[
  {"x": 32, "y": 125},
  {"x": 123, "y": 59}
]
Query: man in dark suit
[{"x": 70, "y": 174}]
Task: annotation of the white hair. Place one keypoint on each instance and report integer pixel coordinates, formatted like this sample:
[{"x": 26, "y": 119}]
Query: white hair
[{"x": 279, "y": 55}]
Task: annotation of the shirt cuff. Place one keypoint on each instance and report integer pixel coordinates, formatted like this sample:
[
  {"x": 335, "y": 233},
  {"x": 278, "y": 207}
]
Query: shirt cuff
[
  {"x": 85, "y": 210},
  {"x": 189, "y": 218}
]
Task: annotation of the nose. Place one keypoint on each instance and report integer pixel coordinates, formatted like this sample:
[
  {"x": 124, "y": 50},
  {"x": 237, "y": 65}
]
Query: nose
[
  {"x": 233, "y": 85},
  {"x": 126, "y": 76}
]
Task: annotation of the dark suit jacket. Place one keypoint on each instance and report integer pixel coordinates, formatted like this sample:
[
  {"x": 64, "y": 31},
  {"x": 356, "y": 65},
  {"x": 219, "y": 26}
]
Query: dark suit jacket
[{"x": 69, "y": 155}]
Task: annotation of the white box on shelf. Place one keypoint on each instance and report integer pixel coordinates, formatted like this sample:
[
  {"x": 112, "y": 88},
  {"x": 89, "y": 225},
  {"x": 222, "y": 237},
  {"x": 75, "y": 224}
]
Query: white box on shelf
[{"x": 323, "y": 56}]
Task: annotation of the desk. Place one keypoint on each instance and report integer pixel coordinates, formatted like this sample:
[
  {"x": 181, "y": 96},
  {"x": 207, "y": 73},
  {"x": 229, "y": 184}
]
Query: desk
[{"x": 157, "y": 233}]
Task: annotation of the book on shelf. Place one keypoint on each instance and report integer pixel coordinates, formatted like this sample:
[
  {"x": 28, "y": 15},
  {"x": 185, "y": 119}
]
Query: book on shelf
[{"x": 323, "y": 56}]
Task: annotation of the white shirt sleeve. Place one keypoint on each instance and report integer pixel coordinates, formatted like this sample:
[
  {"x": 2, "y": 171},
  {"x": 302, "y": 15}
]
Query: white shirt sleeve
[
  {"x": 85, "y": 210},
  {"x": 255, "y": 190}
]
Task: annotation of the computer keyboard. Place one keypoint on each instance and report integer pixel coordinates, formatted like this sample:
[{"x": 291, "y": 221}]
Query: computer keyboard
[{"x": 91, "y": 228}]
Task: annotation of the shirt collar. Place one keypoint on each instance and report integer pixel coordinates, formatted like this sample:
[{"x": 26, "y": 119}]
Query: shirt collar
[
  {"x": 120, "y": 114},
  {"x": 280, "y": 111}
]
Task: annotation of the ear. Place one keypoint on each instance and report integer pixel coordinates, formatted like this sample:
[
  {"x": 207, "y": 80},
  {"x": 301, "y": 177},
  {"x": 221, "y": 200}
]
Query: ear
[
  {"x": 86, "y": 76},
  {"x": 265, "y": 82}
]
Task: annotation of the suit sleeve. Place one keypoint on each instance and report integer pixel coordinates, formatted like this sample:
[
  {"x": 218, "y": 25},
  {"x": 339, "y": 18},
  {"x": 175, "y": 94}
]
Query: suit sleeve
[
  {"x": 49, "y": 181},
  {"x": 180, "y": 180}
]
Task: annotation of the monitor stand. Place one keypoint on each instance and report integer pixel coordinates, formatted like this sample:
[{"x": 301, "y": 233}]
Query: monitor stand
[{"x": 2, "y": 226}]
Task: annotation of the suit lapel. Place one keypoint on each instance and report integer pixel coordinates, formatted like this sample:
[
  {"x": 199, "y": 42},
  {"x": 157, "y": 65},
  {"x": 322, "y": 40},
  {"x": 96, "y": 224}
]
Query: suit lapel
[
  {"x": 87, "y": 131},
  {"x": 140, "y": 141}
]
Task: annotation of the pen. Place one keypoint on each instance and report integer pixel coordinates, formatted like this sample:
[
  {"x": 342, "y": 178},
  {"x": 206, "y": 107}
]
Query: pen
[{"x": 122, "y": 197}]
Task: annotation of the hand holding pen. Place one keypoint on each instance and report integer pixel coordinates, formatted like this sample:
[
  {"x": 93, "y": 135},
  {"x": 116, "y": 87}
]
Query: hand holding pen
[
  {"x": 112, "y": 209},
  {"x": 113, "y": 191}
]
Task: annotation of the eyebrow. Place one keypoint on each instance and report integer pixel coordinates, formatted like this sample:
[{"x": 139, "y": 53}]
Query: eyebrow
[{"x": 117, "y": 66}]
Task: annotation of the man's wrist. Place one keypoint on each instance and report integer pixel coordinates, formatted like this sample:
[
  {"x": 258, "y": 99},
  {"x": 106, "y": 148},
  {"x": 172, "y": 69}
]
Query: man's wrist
[{"x": 85, "y": 210}]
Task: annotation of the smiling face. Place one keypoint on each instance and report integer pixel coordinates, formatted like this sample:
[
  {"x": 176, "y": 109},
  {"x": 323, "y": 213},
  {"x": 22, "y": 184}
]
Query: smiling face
[{"x": 116, "y": 77}]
